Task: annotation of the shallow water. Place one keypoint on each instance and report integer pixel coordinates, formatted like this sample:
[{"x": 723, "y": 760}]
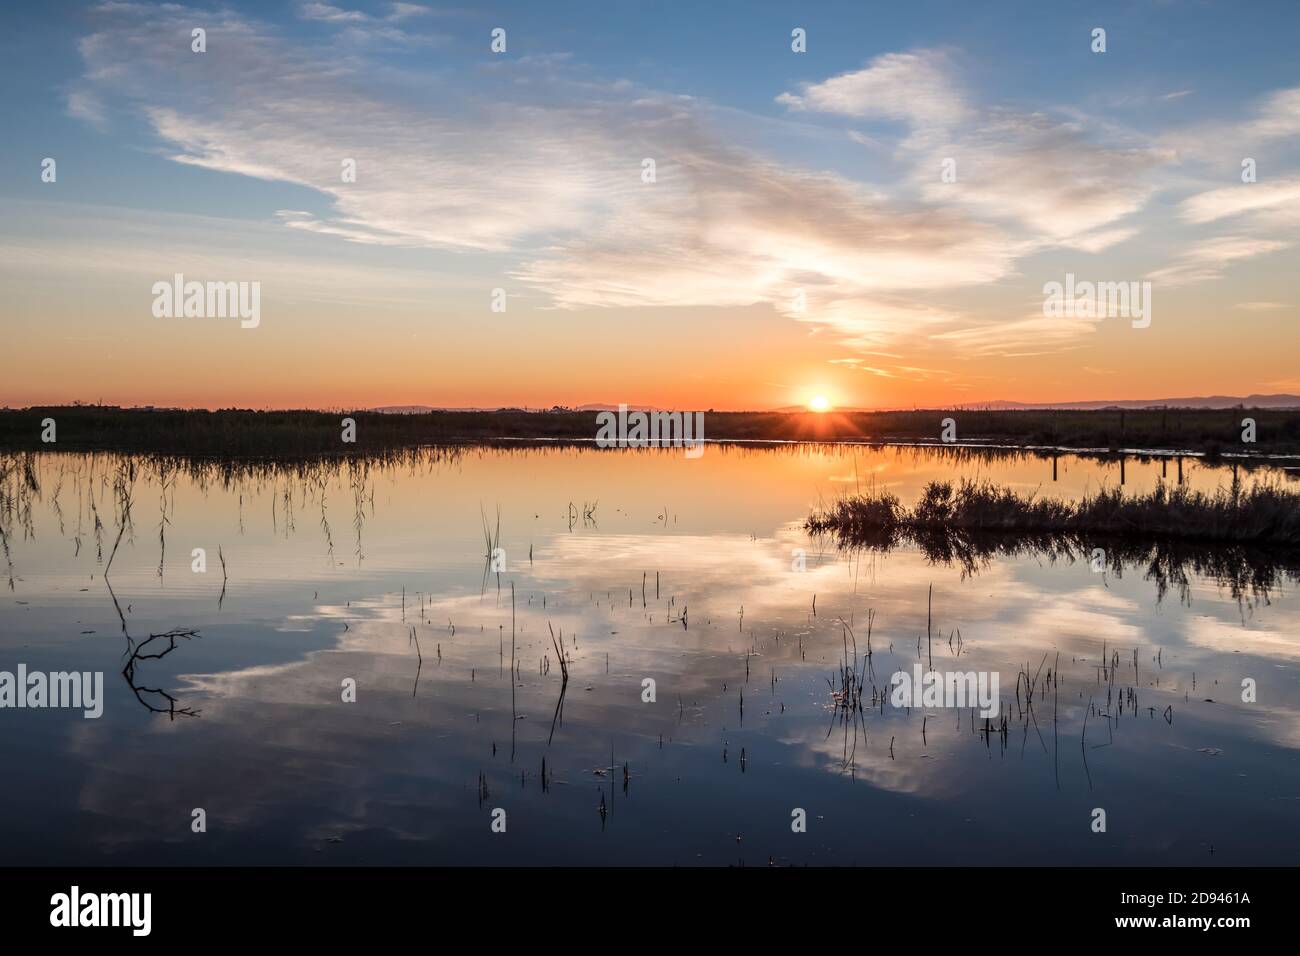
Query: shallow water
[{"x": 695, "y": 574}]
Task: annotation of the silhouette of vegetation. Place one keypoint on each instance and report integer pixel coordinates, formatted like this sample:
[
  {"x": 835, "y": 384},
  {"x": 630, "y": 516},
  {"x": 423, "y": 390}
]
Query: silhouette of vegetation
[
  {"x": 243, "y": 432},
  {"x": 1265, "y": 514},
  {"x": 1246, "y": 540}
]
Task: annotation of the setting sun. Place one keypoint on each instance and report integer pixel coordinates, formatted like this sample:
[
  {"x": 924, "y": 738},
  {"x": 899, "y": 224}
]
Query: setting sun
[{"x": 819, "y": 403}]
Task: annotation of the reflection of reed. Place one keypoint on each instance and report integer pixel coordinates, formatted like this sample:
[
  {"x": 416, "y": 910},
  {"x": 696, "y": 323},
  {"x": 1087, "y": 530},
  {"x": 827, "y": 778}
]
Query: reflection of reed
[
  {"x": 491, "y": 544},
  {"x": 847, "y": 696},
  {"x": 419, "y": 660},
  {"x": 360, "y": 472},
  {"x": 564, "y": 681},
  {"x": 167, "y": 482},
  {"x": 140, "y": 691},
  {"x": 232, "y": 473},
  {"x": 18, "y": 484}
]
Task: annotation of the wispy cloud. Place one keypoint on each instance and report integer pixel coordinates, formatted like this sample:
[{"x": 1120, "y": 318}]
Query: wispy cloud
[
  {"x": 915, "y": 87},
  {"x": 1275, "y": 199},
  {"x": 555, "y": 182},
  {"x": 1211, "y": 258},
  {"x": 542, "y": 165},
  {"x": 1044, "y": 174},
  {"x": 86, "y": 107}
]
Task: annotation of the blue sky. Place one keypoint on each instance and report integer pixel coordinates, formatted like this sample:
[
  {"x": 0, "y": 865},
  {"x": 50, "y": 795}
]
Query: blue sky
[
  {"x": 735, "y": 54},
  {"x": 778, "y": 173}
]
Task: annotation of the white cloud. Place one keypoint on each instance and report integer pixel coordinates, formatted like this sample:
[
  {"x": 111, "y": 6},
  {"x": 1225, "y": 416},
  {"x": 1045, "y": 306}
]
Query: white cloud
[
  {"x": 1032, "y": 334},
  {"x": 66, "y": 242},
  {"x": 542, "y": 166},
  {"x": 87, "y": 108},
  {"x": 556, "y": 184},
  {"x": 916, "y": 87},
  {"x": 1048, "y": 177},
  {"x": 1041, "y": 173},
  {"x": 1275, "y": 196},
  {"x": 330, "y": 14},
  {"x": 1211, "y": 258},
  {"x": 1276, "y": 117}
]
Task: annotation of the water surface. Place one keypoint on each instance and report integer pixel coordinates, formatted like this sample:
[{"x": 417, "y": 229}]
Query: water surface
[{"x": 696, "y": 574}]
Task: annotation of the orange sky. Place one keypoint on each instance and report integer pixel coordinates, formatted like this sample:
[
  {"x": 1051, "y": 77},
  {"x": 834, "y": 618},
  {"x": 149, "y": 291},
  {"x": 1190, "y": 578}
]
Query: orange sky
[{"x": 877, "y": 225}]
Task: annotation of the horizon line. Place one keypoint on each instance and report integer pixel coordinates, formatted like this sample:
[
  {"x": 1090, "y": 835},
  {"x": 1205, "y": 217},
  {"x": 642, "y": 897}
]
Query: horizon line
[{"x": 1276, "y": 400}]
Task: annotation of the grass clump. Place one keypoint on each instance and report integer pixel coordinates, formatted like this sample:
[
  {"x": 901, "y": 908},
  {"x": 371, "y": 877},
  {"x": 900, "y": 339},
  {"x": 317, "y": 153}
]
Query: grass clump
[{"x": 1264, "y": 514}]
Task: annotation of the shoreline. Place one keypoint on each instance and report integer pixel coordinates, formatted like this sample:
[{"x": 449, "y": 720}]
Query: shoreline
[{"x": 1218, "y": 434}]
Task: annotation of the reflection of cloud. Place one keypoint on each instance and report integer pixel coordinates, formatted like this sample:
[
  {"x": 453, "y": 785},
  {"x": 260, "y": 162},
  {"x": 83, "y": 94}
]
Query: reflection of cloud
[
  {"x": 715, "y": 575},
  {"x": 909, "y": 771},
  {"x": 1235, "y": 637}
]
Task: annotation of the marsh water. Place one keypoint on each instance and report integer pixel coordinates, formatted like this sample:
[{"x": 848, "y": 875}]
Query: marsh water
[{"x": 440, "y": 584}]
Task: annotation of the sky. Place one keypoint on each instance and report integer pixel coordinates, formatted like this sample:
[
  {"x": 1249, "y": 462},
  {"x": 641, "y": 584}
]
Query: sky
[{"x": 653, "y": 203}]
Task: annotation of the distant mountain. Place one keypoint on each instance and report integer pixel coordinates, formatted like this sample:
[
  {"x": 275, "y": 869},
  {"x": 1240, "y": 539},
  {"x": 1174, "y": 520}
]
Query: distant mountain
[
  {"x": 424, "y": 409},
  {"x": 1205, "y": 401},
  {"x": 602, "y": 407}
]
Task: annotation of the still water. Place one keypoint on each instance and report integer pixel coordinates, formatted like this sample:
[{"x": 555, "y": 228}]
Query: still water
[{"x": 645, "y": 566}]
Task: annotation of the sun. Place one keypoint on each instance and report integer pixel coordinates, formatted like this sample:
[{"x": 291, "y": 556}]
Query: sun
[{"x": 819, "y": 403}]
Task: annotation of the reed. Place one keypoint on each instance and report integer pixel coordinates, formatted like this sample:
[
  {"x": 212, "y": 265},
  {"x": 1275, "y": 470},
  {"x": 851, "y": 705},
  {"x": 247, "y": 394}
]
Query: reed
[{"x": 1263, "y": 514}]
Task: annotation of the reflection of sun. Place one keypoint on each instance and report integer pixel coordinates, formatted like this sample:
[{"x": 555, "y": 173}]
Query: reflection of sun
[{"x": 819, "y": 403}]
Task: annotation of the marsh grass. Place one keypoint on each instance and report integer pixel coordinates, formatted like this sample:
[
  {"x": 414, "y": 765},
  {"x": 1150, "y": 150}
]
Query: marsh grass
[
  {"x": 1264, "y": 514},
  {"x": 1247, "y": 541}
]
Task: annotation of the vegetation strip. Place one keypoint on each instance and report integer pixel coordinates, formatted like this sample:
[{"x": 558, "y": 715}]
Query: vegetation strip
[{"x": 1264, "y": 514}]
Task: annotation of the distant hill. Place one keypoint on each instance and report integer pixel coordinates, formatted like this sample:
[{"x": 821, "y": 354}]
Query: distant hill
[
  {"x": 425, "y": 409},
  {"x": 1206, "y": 401},
  {"x": 1286, "y": 401}
]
